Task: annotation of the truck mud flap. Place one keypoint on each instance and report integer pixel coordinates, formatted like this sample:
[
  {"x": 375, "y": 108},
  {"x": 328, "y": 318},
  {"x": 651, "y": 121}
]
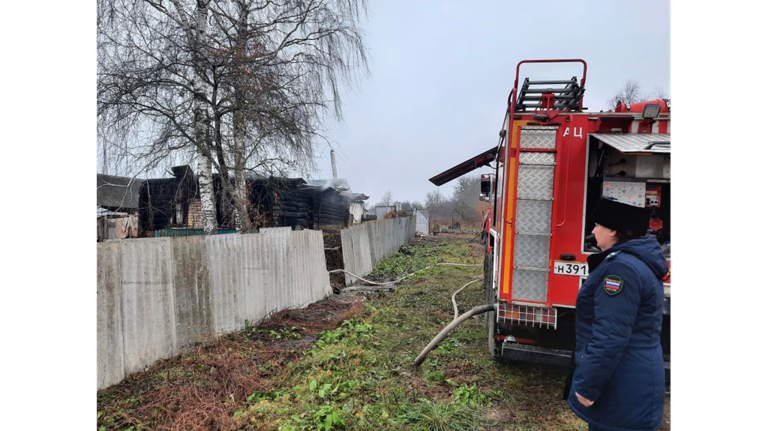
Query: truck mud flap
[{"x": 541, "y": 355}]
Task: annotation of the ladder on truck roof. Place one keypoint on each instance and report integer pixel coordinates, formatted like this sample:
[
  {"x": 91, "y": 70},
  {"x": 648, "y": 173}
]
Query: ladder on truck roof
[
  {"x": 567, "y": 98},
  {"x": 546, "y": 98}
]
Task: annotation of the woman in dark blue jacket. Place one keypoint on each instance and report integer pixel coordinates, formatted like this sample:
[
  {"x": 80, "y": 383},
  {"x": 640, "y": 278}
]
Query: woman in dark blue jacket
[{"x": 618, "y": 382}]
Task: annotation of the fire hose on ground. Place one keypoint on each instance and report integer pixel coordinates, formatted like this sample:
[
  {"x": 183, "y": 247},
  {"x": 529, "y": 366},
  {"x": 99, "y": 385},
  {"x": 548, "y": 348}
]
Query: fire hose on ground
[
  {"x": 401, "y": 278},
  {"x": 457, "y": 320},
  {"x": 480, "y": 309}
]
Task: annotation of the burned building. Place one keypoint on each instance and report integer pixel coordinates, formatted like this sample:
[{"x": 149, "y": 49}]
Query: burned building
[
  {"x": 170, "y": 202},
  {"x": 279, "y": 202},
  {"x": 294, "y": 202},
  {"x": 334, "y": 205},
  {"x": 174, "y": 204}
]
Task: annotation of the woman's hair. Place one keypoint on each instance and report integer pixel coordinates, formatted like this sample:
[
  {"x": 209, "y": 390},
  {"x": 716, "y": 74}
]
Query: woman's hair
[{"x": 626, "y": 235}]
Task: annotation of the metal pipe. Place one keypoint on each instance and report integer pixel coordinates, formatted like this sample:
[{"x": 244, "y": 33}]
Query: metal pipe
[
  {"x": 333, "y": 168},
  {"x": 564, "y": 202}
]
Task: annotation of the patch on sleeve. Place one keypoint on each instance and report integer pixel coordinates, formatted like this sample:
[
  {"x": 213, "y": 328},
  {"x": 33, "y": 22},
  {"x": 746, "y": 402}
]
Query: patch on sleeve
[{"x": 613, "y": 284}]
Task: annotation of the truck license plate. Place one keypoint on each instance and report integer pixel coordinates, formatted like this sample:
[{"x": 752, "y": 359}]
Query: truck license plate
[{"x": 571, "y": 268}]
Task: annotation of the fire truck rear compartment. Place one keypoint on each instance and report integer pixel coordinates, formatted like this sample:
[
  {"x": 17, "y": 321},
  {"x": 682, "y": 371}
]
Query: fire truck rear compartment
[
  {"x": 634, "y": 169},
  {"x": 638, "y": 177}
]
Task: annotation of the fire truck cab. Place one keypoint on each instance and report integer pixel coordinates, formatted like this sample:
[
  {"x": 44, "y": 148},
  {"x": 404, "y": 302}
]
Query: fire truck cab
[{"x": 552, "y": 163}]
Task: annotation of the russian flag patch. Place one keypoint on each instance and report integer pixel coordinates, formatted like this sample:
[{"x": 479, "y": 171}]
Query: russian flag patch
[{"x": 613, "y": 284}]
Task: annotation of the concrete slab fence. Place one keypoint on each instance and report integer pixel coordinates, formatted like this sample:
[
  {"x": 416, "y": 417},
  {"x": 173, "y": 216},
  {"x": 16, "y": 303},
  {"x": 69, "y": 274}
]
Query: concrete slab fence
[{"x": 158, "y": 296}]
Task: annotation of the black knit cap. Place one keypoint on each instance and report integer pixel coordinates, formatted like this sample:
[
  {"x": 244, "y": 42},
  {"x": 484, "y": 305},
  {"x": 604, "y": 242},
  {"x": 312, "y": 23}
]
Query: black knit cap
[{"x": 621, "y": 217}]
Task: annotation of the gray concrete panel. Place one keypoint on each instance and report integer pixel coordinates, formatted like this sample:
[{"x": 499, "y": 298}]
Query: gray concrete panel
[
  {"x": 192, "y": 290},
  {"x": 109, "y": 322},
  {"x": 225, "y": 266}
]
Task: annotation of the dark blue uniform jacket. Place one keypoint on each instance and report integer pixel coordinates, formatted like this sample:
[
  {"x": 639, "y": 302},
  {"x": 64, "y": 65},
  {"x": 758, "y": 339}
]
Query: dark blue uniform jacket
[{"x": 618, "y": 356}]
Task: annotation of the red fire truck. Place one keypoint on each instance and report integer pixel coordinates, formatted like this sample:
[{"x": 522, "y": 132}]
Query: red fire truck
[{"x": 552, "y": 163}]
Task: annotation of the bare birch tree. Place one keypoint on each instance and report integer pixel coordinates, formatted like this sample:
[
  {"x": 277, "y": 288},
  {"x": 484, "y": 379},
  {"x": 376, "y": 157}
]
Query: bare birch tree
[
  {"x": 241, "y": 84},
  {"x": 287, "y": 59}
]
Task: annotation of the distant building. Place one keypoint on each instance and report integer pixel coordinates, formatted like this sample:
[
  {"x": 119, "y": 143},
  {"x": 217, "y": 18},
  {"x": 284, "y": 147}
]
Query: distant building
[
  {"x": 117, "y": 207},
  {"x": 383, "y": 209}
]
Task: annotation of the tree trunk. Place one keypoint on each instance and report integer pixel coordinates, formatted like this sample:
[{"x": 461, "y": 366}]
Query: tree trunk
[
  {"x": 242, "y": 220},
  {"x": 204, "y": 171},
  {"x": 207, "y": 204},
  {"x": 232, "y": 202}
]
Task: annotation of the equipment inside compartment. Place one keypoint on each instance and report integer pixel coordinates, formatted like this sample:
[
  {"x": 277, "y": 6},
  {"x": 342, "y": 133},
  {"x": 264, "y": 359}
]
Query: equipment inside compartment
[{"x": 638, "y": 179}]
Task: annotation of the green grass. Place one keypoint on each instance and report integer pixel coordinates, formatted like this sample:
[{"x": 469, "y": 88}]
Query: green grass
[
  {"x": 360, "y": 376},
  {"x": 426, "y": 415}
]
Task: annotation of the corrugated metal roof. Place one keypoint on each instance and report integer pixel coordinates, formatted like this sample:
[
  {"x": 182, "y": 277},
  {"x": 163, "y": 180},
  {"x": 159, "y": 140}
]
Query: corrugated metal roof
[
  {"x": 117, "y": 192},
  {"x": 637, "y": 142}
]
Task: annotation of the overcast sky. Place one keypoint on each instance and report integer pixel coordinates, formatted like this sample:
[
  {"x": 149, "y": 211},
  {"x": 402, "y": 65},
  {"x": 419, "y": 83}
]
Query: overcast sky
[{"x": 441, "y": 72}]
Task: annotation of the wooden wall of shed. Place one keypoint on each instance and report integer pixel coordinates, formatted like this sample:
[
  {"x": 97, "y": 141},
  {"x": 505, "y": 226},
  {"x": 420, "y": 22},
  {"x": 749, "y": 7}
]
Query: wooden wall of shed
[
  {"x": 158, "y": 199},
  {"x": 329, "y": 209},
  {"x": 279, "y": 202}
]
